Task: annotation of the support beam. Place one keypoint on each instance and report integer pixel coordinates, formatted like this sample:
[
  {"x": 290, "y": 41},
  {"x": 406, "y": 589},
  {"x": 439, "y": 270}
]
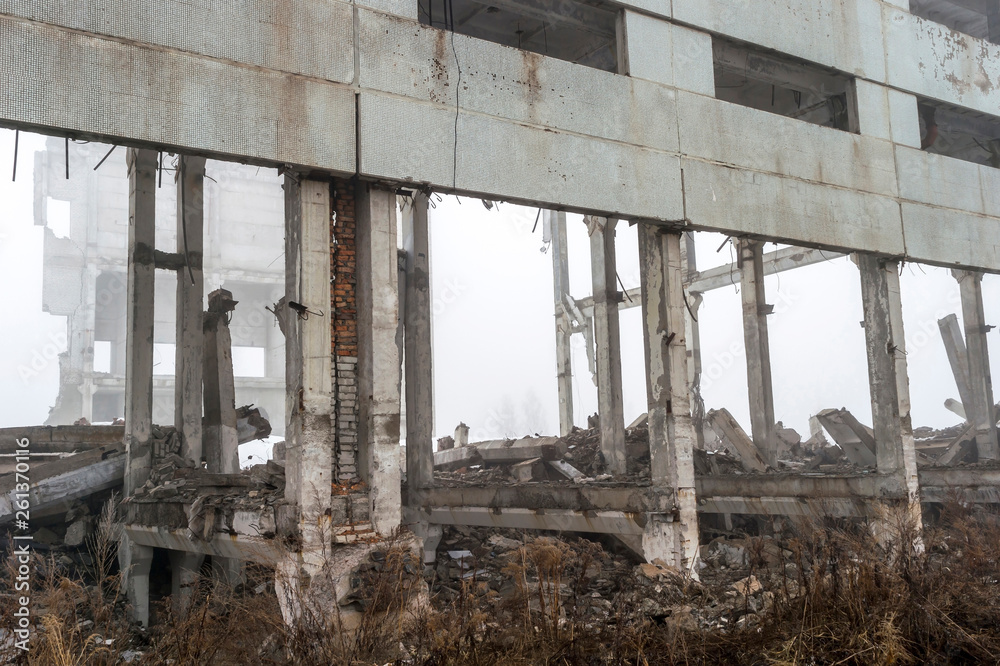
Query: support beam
[
  {"x": 378, "y": 361},
  {"x": 671, "y": 430},
  {"x": 185, "y": 570},
  {"x": 958, "y": 358},
  {"x": 556, "y": 223},
  {"x": 980, "y": 379},
  {"x": 221, "y": 447},
  {"x": 417, "y": 340},
  {"x": 190, "y": 305},
  {"x": 890, "y": 385},
  {"x": 758, "y": 348},
  {"x": 609, "y": 366},
  {"x": 139, "y": 318},
  {"x": 308, "y": 362}
]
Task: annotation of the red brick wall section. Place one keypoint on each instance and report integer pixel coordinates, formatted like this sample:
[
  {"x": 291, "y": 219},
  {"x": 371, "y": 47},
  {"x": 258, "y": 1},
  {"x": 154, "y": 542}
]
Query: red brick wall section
[{"x": 343, "y": 269}]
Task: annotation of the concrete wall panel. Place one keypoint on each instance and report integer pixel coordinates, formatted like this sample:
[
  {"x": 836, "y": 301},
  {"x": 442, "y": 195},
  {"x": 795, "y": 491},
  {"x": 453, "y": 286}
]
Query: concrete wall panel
[
  {"x": 941, "y": 236},
  {"x": 403, "y": 139},
  {"x": 738, "y": 201},
  {"x": 669, "y": 54},
  {"x": 931, "y": 60},
  {"x": 939, "y": 181},
  {"x": 405, "y": 58},
  {"x": 310, "y": 37},
  {"x": 741, "y": 136},
  {"x": 66, "y": 80},
  {"x": 843, "y": 34}
]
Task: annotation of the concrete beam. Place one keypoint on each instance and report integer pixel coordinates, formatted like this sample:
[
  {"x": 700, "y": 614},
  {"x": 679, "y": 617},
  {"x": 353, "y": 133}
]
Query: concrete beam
[
  {"x": 958, "y": 358},
  {"x": 855, "y": 439},
  {"x": 190, "y": 305},
  {"x": 671, "y": 431},
  {"x": 730, "y": 432},
  {"x": 556, "y": 224},
  {"x": 228, "y": 546},
  {"x": 308, "y": 362},
  {"x": 557, "y": 520},
  {"x": 418, "y": 347},
  {"x": 758, "y": 350},
  {"x": 889, "y": 382},
  {"x": 980, "y": 378},
  {"x": 608, "y": 334},
  {"x": 378, "y": 362}
]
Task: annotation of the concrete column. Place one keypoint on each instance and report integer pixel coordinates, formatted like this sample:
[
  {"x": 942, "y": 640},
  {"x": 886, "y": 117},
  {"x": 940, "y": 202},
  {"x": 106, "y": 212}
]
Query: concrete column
[
  {"x": 190, "y": 305},
  {"x": 418, "y": 341},
  {"x": 958, "y": 359},
  {"x": 378, "y": 360},
  {"x": 134, "y": 562},
  {"x": 890, "y": 388},
  {"x": 689, "y": 269},
  {"x": 671, "y": 430},
  {"x": 758, "y": 349},
  {"x": 139, "y": 317},
  {"x": 221, "y": 441},
  {"x": 308, "y": 361},
  {"x": 981, "y": 411},
  {"x": 608, "y": 335},
  {"x": 556, "y": 222},
  {"x": 185, "y": 570}
]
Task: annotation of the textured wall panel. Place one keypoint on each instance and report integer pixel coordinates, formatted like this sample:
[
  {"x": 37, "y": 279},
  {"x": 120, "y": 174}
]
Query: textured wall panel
[
  {"x": 739, "y": 201},
  {"x": 940, "y": 181},
  {"x": 843, "y": 34},
  {"x": 931, "y": 60},
  {"x": 406, "y": 58},
  {"x": 403, "y": 139},
  {"x": 669, "y": 54},
  {"x": 941, "y": 236},
  {"x": 738, "y": 135},
  {"x": 310, "y": 37},
  {"x": 53, "y": 78}
]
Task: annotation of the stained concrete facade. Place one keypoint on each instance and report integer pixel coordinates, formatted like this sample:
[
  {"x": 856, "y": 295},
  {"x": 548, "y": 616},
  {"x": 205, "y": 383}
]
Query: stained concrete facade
[{"x": 327, "y": 90}]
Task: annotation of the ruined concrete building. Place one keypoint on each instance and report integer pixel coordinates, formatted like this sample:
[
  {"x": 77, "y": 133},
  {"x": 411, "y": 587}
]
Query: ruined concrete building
[{"x": 867, "y": 127}]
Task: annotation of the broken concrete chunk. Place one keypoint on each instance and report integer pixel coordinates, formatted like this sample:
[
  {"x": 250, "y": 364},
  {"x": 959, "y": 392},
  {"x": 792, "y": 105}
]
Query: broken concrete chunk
[
  {"x": 77, "y": 533},
  {"x": 736, "y": 439},
  {"x": 855, "y": 439},
  {"x": 529, "y": 470},
  {"x": 446, "y": 443}
]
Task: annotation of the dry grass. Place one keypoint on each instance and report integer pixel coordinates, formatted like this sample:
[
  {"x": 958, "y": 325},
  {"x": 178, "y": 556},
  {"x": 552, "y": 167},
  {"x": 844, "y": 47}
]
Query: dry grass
[{"x": 835, "y": 599}]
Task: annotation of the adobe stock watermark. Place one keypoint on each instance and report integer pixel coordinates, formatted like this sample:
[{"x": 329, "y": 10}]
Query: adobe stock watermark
[
  {"x": 21, "y": 553},
  {"x": 42, "y": 356},
  {"x": 723, "y": 362}
]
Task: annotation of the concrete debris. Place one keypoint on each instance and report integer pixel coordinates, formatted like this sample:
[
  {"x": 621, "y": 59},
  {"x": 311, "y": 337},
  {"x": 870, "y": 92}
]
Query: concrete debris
[
  {"x": 529, "y": 470},
  {"x": 736, "y": 440},
  {"x": 251, "y": 424},
  {"x": 856, "y": 440}
]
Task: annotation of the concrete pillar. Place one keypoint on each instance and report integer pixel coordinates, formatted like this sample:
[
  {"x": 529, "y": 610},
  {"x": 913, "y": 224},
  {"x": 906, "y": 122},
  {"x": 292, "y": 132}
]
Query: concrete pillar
[
  {"x": 606, "y": 330},
  {"x": 378, "y": 360},
  {"x": 139, "y": 317},
  {"x": 689, "y": 269},
  {"x": 190, "y": 304},
  {"x": 671, "y": 430},
  {"x": 758, "y": 349},
  {"x": 221, "y": 447},
  {"x": 890, "y": 388},
  {"x": 134, "y": 562},
  {"x": 308, "y": 362},
  {"x": 556, "y": 222},
  {"x": 418, "y": 341},
  {"x": 958, "y": 358},
  {"x": 980, "y": 379},
  {"x": 228, "y": 571},
  {"x": 185, "y": 570}
]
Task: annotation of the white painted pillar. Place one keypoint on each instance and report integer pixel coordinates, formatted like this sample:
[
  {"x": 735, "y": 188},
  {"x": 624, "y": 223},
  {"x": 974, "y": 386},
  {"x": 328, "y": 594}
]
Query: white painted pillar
[
  {"x": 608, "y": 334},
  {"x": 221, "y": 440},
  {"x": 981, "y": 411},
  {"x": 671, "y": 430},
  {"x": 418, "y": 343},
  {"x": 308, "y": 362},
  {"x": 378, "y": 361},
  {"x": 758, "y": 350},
  {"x": 556, "y": 221},
  {"x": 190, "y": 305},
  {"x": 890, "y": 387}
]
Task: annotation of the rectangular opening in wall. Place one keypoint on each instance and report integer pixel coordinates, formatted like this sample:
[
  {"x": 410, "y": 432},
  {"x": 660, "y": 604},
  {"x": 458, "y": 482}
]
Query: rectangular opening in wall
[
  {"x": 102, "y": 356},
  {"x": 249, "y": 362},
  {"x": 579, "y": 31},
  {"x": 977, "y": 18},
  {"x": 959, "y": 133},
  {"x": 778, "y": 84}
]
